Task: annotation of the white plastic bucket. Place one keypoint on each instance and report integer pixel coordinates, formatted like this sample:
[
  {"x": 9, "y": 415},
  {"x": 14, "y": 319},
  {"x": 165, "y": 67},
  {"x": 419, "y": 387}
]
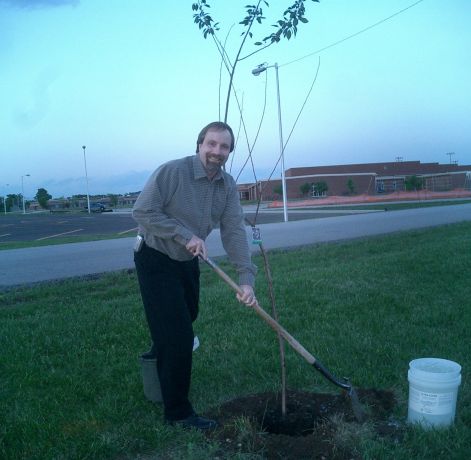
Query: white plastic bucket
[{"x": 433, "y": 389}]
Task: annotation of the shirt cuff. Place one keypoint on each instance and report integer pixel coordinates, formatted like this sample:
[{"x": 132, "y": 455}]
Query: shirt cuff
[
  {"x": 247, "y": 278},
  {"x": 182, "y": 236}
]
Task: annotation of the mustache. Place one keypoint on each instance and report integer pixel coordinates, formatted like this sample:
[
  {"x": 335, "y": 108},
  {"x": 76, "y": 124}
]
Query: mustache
[{"x": 215, "y": 156}]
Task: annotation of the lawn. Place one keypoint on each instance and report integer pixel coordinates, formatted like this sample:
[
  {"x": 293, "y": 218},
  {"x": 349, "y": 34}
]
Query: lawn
[{"x": 70, "y": 383}]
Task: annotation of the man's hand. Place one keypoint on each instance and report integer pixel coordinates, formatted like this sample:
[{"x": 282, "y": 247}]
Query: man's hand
[
  {"x": 248, "y": 297},
  {"x": 197, "y": 247}
]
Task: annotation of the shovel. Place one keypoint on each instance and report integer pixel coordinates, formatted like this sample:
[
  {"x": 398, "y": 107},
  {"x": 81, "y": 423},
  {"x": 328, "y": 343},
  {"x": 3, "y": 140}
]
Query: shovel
[{"x": 344, "y": 383}]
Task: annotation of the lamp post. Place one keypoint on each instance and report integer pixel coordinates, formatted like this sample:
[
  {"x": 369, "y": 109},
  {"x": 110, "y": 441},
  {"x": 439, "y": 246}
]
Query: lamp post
[
  {"x": 23, "y": 192},
  {"x": 257, "y": 71},
  {"x": 86, "y": 177},
  {"x": 5, "y": 202}
]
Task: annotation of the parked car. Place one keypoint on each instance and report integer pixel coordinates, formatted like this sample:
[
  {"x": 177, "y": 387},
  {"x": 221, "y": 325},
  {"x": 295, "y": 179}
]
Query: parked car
[{"x": 96, "y": 207}]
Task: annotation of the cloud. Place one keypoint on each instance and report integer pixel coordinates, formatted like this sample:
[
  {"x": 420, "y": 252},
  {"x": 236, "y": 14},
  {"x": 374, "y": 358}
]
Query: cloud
[
  {"x": 39, "y": 3},
  {"x": 132, "y": 181},
  {"x": 31, "y": 115}
]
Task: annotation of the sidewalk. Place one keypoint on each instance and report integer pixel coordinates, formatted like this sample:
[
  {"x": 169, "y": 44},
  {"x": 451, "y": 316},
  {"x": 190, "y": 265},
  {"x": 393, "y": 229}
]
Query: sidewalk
[{"x": 32, "y": 265}]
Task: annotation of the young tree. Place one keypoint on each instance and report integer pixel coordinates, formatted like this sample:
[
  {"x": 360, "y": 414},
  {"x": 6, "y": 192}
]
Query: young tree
[
  {"x": 42, "y": 197},
  {"x": 286, "y": 27}
]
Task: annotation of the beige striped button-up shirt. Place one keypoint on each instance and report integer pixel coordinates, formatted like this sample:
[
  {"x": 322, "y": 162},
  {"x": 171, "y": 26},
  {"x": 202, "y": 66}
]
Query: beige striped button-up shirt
[{"x": 179, "y": 201}]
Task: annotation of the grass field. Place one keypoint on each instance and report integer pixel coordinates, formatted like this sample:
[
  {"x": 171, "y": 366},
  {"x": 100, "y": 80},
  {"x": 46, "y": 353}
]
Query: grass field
[
  {"x": 62, "y": 240},
  {"x": 70, "y": 384}
]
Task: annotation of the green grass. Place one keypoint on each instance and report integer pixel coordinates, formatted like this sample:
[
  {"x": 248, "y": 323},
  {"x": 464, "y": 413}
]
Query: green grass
[
  {"x": 70, "y": 383},
  {"x": 63, "y": 240}
]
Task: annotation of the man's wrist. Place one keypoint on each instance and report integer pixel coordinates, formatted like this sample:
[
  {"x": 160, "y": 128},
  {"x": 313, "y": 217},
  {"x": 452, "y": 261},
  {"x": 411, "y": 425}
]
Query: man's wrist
[
  {"x": 247, "y": 279},
  {"x": 183, "y": 236}
]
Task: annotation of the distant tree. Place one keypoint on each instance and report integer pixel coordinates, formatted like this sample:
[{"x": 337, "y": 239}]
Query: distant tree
[
  {"x": 320, "y": 188},
  {"x": 351, "y": 186},
  {"x": 42, "y": 197},
  {"x": 305, "y": 188},
  {"x": 278, "y": 189},
  {"x": 414, "y": 183},
  {"x": 113, "y": 199},
  {"x": 13, "y": 200}
]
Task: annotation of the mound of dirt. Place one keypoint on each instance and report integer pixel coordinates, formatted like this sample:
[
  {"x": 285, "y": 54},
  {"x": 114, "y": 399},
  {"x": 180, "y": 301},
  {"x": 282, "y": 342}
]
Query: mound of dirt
[{"x": 316, "y": 426}]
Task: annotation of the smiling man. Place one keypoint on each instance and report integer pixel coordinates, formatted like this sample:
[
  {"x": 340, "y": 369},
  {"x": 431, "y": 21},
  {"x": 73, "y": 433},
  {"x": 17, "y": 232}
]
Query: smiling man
[
  {"x": 214, "y": 149},
  {"x": 181, "y": 203}
]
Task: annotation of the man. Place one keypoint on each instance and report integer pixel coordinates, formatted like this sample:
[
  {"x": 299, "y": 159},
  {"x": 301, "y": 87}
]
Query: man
[{"x": 180, "y": 204}]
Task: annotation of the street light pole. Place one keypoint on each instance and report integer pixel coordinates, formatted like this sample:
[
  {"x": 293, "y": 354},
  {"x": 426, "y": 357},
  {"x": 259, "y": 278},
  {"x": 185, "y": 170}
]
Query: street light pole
[
  {"x": 450, "y": 154},
  {"x": 282, "y": 153},
  {"x": 5, "y": 203},
  {"x": 23, "y": 192},
  {"x": 257, "y": 71},
  {"x": 86, "y": 177}
]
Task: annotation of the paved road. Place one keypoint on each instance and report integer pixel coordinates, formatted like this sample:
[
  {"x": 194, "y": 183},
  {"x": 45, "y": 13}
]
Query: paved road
[
  {"x": 44, "y": 226},
  {"x": 25, "y": 266}
]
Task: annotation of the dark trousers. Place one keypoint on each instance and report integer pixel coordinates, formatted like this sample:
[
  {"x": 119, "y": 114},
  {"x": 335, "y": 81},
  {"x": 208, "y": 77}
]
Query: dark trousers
[{"x": 170, "y": 294}]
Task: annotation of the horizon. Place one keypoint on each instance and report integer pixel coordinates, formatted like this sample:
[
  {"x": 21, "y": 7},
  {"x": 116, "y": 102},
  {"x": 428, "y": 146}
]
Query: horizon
[{"x": 129, "y": 193}]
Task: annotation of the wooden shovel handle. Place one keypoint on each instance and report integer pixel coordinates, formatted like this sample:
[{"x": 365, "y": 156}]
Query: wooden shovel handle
[{"x": 264, "y": 315}]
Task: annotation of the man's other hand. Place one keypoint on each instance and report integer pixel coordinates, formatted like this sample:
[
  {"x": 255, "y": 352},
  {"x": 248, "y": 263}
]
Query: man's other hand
[
  {"x": 197, "y": 247},
  {"x": 248, "y": 296}
]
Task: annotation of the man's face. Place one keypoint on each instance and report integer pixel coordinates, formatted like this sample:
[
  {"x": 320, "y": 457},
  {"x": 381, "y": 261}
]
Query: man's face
[{"x": 214, "y": 150}]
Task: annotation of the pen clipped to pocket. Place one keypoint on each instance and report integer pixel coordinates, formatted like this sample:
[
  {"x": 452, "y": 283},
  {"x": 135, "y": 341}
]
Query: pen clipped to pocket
[{"x": 138, "y": 243}]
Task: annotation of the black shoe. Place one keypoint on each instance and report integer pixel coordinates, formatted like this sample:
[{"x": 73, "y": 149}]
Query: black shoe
[{"x": 195, "y": 421}]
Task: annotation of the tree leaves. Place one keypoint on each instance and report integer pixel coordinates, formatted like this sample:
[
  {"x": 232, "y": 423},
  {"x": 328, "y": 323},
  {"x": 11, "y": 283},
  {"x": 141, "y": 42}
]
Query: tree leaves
[
  {"x": 204, "y": 20},
  {"x": 254, "y": 13},
  {"x": 287, "y": 27},
  {"x": 42, "y": 197}
]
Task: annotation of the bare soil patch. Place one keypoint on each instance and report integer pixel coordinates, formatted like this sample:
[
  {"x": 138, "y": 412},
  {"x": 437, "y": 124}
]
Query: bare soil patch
[{"x": 316, "y": 425}]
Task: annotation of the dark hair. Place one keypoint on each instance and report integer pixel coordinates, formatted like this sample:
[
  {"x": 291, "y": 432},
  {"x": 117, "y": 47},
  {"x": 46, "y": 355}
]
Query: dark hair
[{"x": 215, "y": 126}]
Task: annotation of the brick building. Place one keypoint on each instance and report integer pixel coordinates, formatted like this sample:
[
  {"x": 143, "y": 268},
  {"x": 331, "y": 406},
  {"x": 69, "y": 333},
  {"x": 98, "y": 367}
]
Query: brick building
[{"x": 363, "y": 178}]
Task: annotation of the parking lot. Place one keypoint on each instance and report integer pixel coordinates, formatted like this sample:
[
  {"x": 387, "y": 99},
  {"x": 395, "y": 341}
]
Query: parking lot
[{"x": 43, "y": 226}]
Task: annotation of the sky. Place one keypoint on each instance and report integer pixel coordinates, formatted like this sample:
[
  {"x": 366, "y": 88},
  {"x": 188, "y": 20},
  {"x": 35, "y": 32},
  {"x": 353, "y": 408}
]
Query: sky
[{"x": 135, "y": 82}]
